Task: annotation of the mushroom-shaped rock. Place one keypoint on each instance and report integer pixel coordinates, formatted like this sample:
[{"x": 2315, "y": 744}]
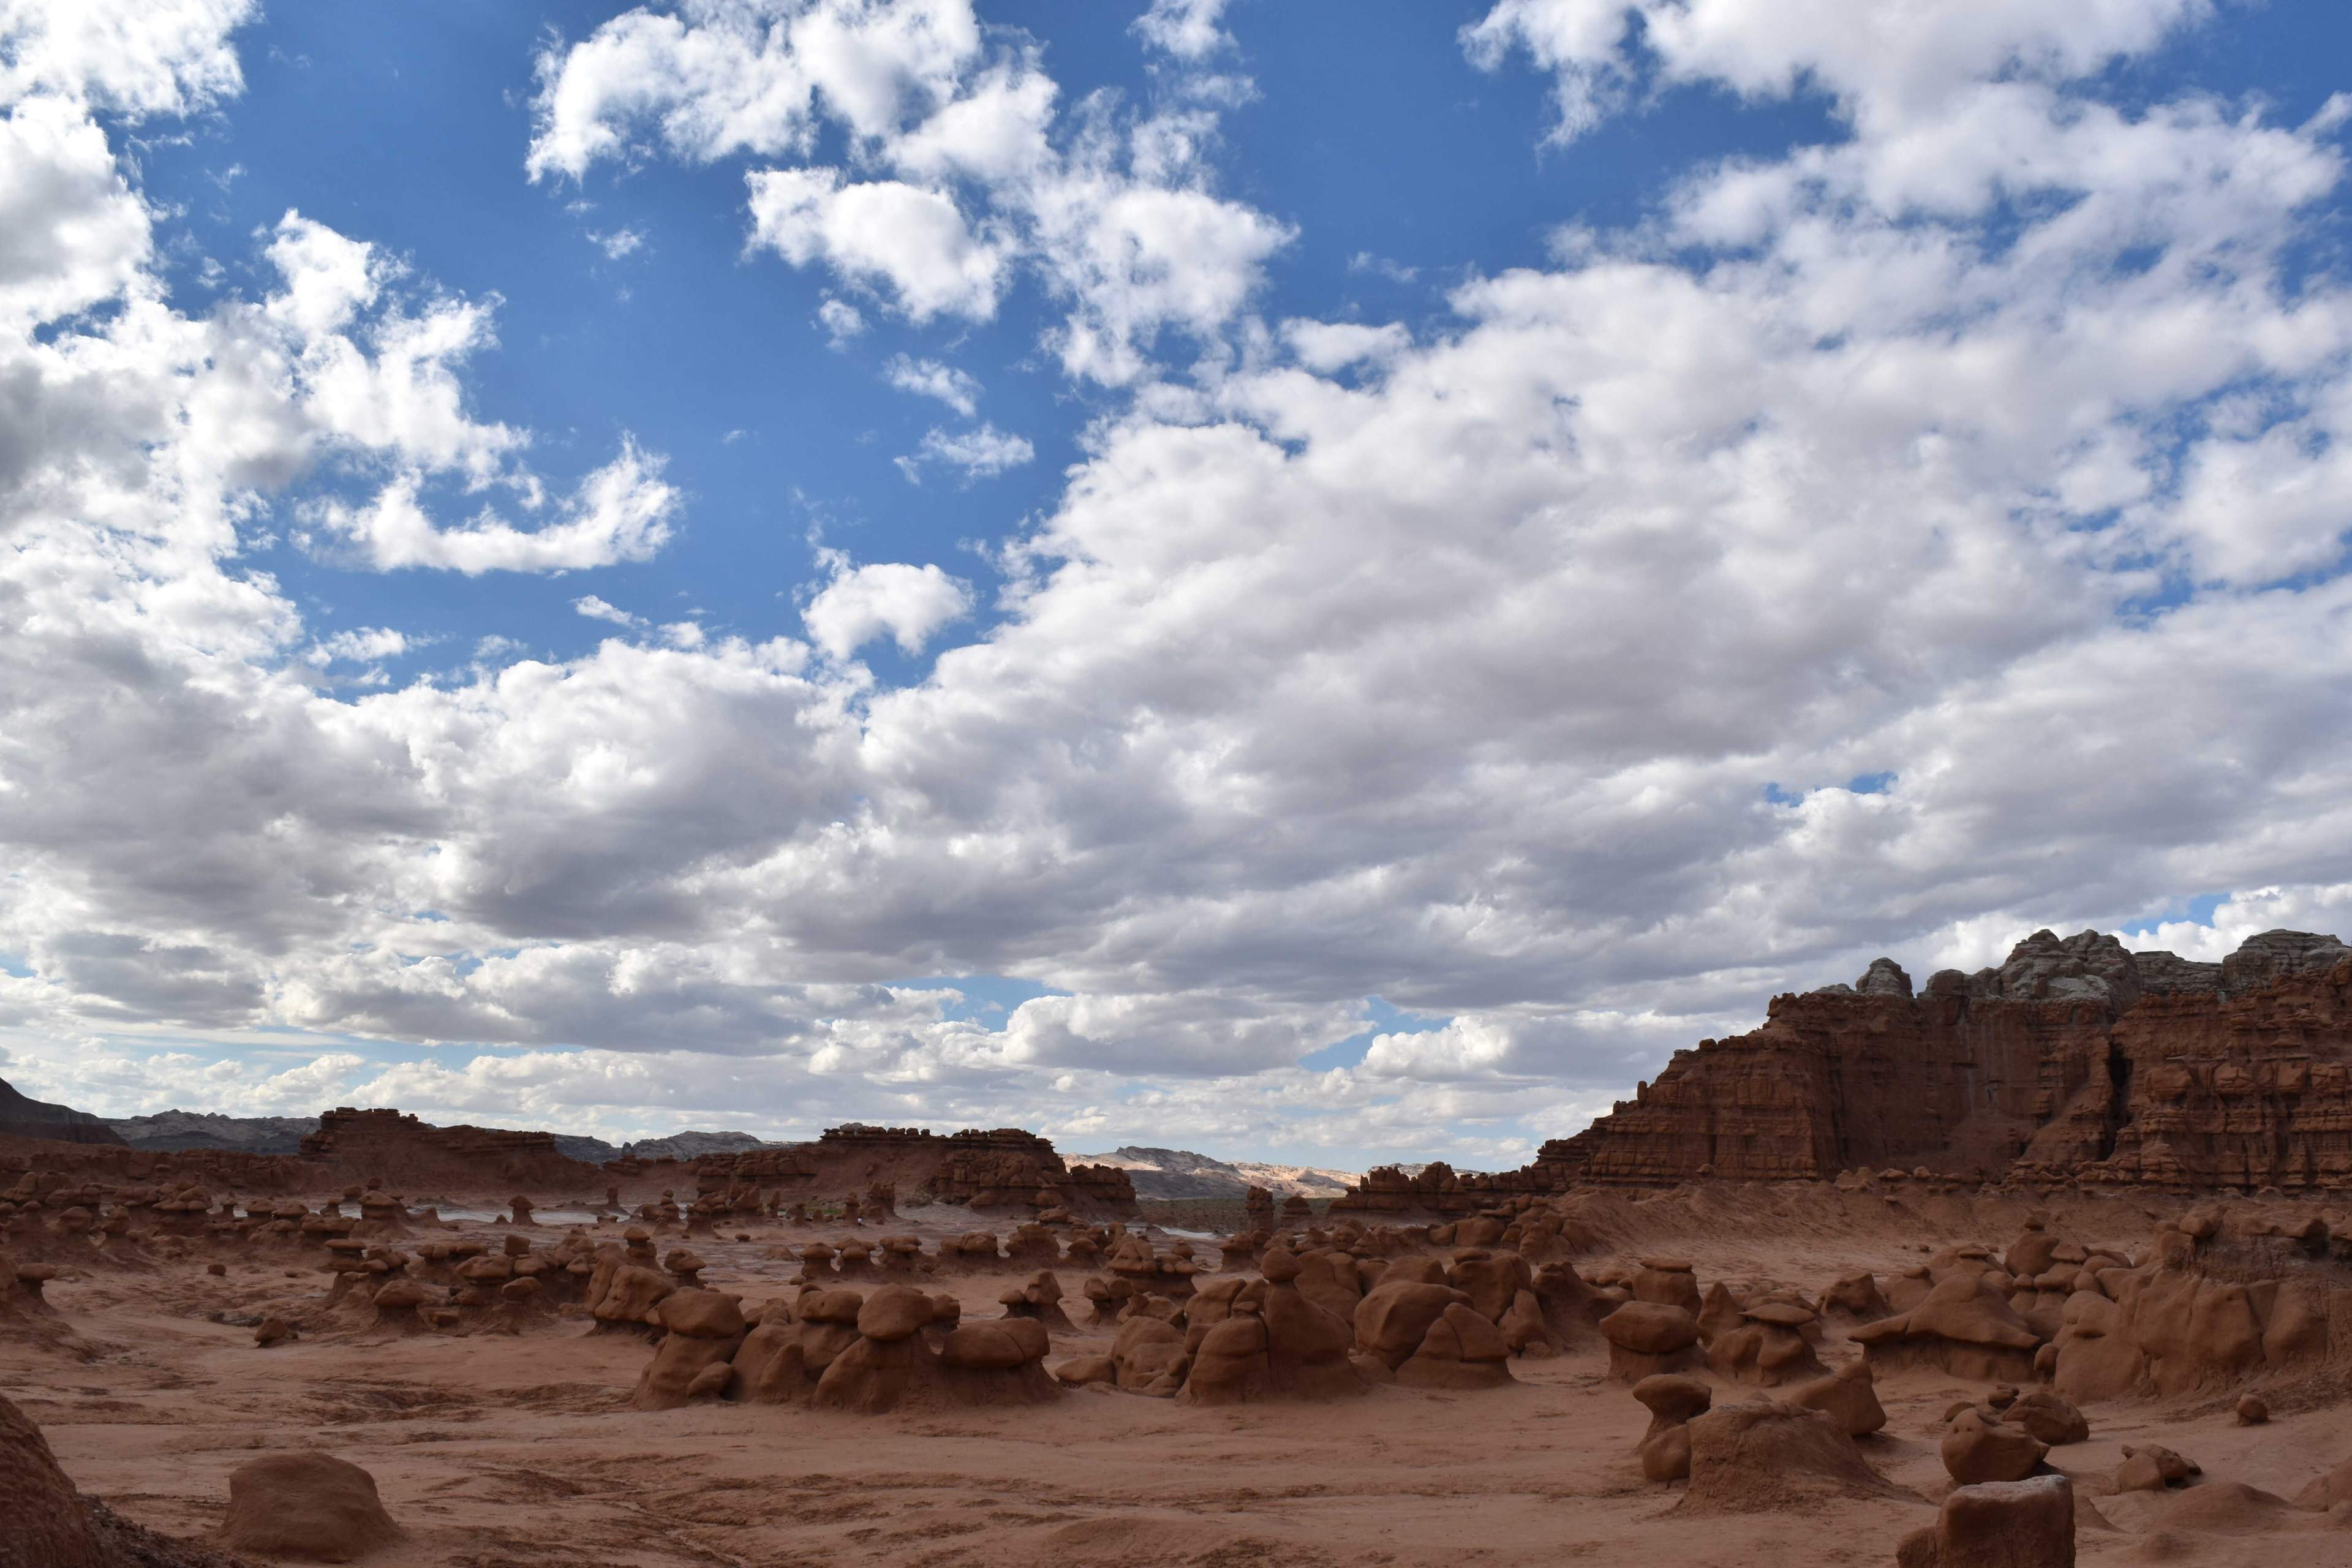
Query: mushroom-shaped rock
[
  {"x": 1673, "y": 1400},
  {"x": 1460, "y": 1350},
  {"x": 1856, "y": 1296},
  {"x": 1766, "y": 1347},
  {"x": 1395, "y": 1316},
  {"x": 703, "y": 1314},
  {"x": 1646, "y": 1338},
  {"x": 1962, "y": 1327},
  {"x": 1980, "y": 1449},
  {"x": 1231, "y": 1365},
  {"x": 894, "y": 1313},
  {"x": 1848, "y": 1397},
  {"x": 309, "y": 1506},
  {"x": 1001, "y": 1345},
  {"x": 1998, "y": 1524},
  {"x": 1668, "y": 1281},
  {"x": 1765, "y": 1456},
  {"x": 1491, "y": 1279},
  {"x": 1149, "y": 1356},
  {"x": 631, "y": 1295}
]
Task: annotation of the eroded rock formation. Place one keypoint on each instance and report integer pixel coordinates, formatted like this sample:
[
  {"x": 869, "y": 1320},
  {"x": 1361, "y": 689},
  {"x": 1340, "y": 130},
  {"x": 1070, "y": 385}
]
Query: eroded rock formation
[{"x": 2074, "y": 1059}]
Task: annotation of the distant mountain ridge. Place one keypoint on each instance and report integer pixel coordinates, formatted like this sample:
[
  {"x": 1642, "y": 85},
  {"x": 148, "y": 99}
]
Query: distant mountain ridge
[
  {"x": 677, "y": 1145},
  {"x": 173, "y": 1130},
  {"x": 1184, "y": 1174},
  {"x": 23, "y": 1117}
]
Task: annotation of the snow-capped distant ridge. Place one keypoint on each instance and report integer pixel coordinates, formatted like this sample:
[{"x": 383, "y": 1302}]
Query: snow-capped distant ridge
[
  {"x": 1184, "y": 1174},
  {"x": 685, "y": 1145}
]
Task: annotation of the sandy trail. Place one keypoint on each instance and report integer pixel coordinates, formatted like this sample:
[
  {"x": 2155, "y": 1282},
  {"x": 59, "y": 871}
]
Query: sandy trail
[{"x": 502, "y": 1451}]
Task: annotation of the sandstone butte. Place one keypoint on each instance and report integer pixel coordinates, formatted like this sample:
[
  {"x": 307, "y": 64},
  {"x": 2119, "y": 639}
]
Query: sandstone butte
[{"x": 2073, "y": 1059}]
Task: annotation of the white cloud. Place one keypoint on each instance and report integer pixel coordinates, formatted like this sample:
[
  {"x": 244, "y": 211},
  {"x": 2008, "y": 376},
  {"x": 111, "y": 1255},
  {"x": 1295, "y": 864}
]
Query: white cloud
[
  {"x": 363, "y": 645},
  {"x": 1885, "y": 64},
  {"x": 1185, "y": 28},
  {"x": 71, "y": 231},
  {"x": 841, "y": 320},
  {"x": 930, "y": 378},
  {"x": 138, "y": 58},
  {"x": 622, "y": 512},
  {"x": 596, "y": 609},
  {"x": 906, "y": 603},
  {"x": 743, "y": 77},
  {"x": 620, "y": 244},
  {"x": 1119, "y": 221},
  {"x": 981, "y": 453},
  {"x": 911, "y": 241},
  {"x": 1382, "y": 267},
  {"x": 1327, "y": 346},
  {"x": 1461, "y": 685}
]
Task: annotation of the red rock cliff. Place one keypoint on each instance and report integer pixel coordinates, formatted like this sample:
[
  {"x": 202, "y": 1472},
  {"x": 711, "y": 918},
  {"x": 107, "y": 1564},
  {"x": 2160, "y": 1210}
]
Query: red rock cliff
[{"x": 2074, "y": 1057}]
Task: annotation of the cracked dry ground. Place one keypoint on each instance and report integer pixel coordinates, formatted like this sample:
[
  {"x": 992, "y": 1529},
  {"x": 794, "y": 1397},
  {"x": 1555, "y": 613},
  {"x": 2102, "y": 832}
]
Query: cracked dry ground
[{"x": 506, "y": 1452}]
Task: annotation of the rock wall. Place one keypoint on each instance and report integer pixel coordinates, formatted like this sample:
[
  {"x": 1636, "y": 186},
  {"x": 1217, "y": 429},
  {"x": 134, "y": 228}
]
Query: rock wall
[
  {"x": 2074, "y": 1057},
  {"x": 1005, "y": 1168},
  {"x": 403, "y": 1152}
]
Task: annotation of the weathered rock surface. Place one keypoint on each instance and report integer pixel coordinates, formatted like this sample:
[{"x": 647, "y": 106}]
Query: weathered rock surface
[{"x": 2075, "y": 1056}]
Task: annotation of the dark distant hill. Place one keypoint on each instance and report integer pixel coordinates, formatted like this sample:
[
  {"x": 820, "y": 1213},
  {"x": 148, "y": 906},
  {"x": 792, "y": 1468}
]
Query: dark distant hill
[
  {"x": 23, "y": 1118},
  {"x": 205, "y": 1130}
]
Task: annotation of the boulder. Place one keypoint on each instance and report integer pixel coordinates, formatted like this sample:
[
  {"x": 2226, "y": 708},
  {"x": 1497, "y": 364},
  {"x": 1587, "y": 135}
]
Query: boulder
[
  {"x": 1980, "y": 1449},
  {"x": 1848, "y": 1397},
  {"x": 309, "y": 1506},
  {"x": 1765, "y": 1456},
  {"x": 1646, "y": 1338},
  {"x": 1998, "y": 1524},
  {"x": 2150, "y": 1468},
  {"x": 2049, "y": 1418}
]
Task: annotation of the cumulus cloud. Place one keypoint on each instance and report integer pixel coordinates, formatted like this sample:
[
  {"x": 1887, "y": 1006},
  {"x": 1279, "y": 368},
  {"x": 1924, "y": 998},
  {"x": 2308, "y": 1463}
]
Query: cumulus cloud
[
  {"x": 978, "y": 453},
  {"x": 962, "y": 173},
  {"x": 622, "y": 512},
  {"x": 909, "y": 242},
  {"x": 906, "y": 603},
  {"x": 596, "y": 609},
  {"x": 841, "y": 320},
  {"x": 930, "y": 378},
  {"x": 1186, "y": 28},
  {"x": 137, "y": 57}
]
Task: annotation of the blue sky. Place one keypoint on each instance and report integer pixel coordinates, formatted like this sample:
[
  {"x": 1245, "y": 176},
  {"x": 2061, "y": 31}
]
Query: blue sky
[{"x": 1316, "y": 580}]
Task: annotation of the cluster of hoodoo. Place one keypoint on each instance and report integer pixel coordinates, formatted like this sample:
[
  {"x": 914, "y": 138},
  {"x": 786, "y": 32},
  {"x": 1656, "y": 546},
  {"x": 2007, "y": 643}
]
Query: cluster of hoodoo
[
  {"x": 441, "y": 1286},
  {"x": 1328, "y": 1322},
  {"x": 1230, "y": 1341},
  {"x": 2225, "y": 1297},
  {"x": 835, "y": 1349}
]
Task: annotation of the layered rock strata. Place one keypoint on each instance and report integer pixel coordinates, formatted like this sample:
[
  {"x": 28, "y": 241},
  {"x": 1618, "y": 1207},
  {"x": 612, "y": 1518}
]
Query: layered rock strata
[{"x": 2075, "y": 1058}]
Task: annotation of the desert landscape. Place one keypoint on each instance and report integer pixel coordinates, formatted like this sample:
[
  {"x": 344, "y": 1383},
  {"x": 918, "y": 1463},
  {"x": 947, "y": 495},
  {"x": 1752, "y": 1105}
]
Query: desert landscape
[{"x": 2050, "y": 1263}]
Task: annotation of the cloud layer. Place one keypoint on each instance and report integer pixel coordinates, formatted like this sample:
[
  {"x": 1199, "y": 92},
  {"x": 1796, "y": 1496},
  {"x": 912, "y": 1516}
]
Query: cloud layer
[{"x": 1890, "y": 545}]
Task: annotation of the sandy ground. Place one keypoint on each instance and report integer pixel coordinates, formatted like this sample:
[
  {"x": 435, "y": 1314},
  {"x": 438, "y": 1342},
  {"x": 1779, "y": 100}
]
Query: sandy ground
[{"x": 495, "y": 1450}]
